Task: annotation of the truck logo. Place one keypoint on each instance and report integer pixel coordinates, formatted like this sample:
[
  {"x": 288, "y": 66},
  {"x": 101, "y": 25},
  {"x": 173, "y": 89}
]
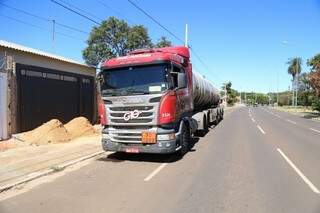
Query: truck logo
[{"x": 131, "y": 115}]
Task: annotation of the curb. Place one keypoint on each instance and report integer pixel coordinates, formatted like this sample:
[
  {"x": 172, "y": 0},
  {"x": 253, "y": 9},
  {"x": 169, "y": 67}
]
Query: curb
[{"x": 35, "y": 175}]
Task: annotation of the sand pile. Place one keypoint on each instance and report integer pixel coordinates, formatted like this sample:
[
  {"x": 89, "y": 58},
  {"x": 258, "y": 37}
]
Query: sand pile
[
  {"x": 79, "y": 127},
  {"x": 51, "y": 132},
  {"x": 55, "y": 132}
]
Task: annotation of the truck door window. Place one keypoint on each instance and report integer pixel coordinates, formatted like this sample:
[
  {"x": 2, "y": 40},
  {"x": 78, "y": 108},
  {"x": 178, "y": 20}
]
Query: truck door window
[{"x": 174, "y": 75}]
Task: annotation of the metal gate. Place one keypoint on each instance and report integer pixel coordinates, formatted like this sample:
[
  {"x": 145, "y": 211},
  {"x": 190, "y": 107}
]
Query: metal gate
[
  {"x": 3, "y": 106},
  {"x": 45, "y": 94}
]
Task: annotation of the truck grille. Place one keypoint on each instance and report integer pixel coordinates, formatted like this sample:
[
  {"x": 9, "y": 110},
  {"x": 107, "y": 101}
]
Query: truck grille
[{"x": 147, "y": 115}]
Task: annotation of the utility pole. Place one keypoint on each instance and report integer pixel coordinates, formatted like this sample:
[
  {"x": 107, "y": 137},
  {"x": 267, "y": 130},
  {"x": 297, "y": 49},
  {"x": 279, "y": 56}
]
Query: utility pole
[
  {"x": 277, "y": 87},
  {"x": 297, "y": 84},
  {"x": 293, "y": 92},
  {"x": 245, "y": 98},
  {"x": 53, "y": 32},
  {"x": 225, "y": 92},
  {"x": 186, "y": 36}
]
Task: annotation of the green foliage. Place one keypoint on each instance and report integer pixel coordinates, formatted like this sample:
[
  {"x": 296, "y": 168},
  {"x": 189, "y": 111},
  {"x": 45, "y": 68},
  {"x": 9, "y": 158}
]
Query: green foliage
[
  {"x": 314, "y": 75},
  {"x": 315, "y": 103},
  {"x": 163, "y": 42},
  {"x": 294, "y": 68},
  {"x": 231, "y": 93},
  {"x": 314, "y": 62},
  {"x": 113, "y": 38},
  {"x": 259, "y": 98}
]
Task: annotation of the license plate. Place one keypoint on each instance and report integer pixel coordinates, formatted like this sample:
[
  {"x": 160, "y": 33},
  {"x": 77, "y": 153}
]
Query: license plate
[
  {"x": 132, "y": 150},
  {"x": 149, "y": 137}
]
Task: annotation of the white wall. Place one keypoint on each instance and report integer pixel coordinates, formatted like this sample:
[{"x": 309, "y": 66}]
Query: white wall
[{"x": 3, "y": 106}]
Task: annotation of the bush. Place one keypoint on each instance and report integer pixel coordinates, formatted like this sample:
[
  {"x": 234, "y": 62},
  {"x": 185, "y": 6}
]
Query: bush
[{"x": 315, "y": 103}]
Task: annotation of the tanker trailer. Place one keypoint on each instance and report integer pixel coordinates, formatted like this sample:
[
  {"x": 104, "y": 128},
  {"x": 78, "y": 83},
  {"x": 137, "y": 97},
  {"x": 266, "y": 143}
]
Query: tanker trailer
[{"x": 206, "y": 101}]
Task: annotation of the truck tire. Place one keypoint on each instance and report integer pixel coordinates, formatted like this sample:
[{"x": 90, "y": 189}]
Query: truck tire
[
  {"x": 185, "y": 139},
  {"x": 221, "y": 116},
  {"x": 217, "y": 119}
]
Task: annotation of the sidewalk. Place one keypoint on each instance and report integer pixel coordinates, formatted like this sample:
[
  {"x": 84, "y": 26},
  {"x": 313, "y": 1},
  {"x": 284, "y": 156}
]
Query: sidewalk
[{"x": 24, "y": 162}]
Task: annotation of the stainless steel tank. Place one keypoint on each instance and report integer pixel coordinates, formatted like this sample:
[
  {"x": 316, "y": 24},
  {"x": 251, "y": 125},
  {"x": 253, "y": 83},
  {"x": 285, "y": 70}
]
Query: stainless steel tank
[{"x": 205, "y": 95}]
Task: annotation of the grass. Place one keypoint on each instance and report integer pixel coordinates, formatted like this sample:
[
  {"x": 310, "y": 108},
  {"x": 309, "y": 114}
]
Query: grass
[{"x": 306, "y": 112}]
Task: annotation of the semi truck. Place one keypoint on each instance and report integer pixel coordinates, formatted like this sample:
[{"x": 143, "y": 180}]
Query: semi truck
[{"x": 152, "y": 101}]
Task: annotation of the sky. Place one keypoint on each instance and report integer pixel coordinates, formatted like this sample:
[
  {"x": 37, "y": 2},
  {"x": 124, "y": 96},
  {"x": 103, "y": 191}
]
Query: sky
[{"x": 247, "y": 42}]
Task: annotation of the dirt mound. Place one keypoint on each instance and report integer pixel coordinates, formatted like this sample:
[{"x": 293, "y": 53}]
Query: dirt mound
[
  {"x": 79, "y": 127},
  {"x": 51, "y": 132}
]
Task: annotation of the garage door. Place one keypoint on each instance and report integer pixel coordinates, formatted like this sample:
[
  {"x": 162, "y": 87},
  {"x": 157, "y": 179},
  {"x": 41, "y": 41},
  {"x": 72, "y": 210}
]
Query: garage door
[{"x": 44, "y": 94}]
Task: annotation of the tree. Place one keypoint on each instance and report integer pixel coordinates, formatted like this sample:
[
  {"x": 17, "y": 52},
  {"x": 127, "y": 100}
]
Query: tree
[
  {"x": 113, "y": 38},
  {"x": 294, "y": 70},
  {"x": 314, "y": 75},
  {"x": 304, "y": 90},
  {"x": 138, "y": 38},
  {"x": 231, "y": 93},
  {"x": 163, "y": 42}
]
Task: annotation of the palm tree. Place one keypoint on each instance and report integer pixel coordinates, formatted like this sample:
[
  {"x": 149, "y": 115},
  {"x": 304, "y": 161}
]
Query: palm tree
[{"x": 294, "y": 70}]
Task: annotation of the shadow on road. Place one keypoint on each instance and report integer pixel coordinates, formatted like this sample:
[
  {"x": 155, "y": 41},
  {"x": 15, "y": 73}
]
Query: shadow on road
[
  {"x": 311, "y": 115},
  {"x": 119, "y": 157}
]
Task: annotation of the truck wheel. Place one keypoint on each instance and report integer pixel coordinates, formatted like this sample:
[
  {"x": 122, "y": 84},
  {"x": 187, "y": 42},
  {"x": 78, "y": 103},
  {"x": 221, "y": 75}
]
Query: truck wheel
[
  {"x": 217, "y": 119},
  {"x": 208, "y": 123},
  {"x": 185, "y": 139}
]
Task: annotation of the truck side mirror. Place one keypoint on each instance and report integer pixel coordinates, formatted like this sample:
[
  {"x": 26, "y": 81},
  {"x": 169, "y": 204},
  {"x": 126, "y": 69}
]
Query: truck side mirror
[{"x": 182, "y": 80}]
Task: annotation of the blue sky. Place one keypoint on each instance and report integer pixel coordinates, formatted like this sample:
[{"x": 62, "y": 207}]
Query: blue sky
[{"x": 246, "y": 42}]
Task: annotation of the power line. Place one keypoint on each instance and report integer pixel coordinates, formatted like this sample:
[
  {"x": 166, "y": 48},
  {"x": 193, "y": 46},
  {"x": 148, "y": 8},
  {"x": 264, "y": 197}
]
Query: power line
[
  {"x": 76, "y": 12},
  {"x": 79, "y": 9},
  {"x": 72, "y": 28},
  {"x": 36, "y": 26},
  {"x": 175, "y": 36},
  {"x": 114, "y": 10},
  {"x": 25, "y": 12},
  {"x": 154, "y": 20},
  {"x": 43, "y": 18},
  {"x": 203, "y": 63}
]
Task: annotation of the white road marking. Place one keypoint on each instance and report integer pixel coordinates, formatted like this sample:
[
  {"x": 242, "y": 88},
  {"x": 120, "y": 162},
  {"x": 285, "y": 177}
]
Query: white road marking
[
  {"x": 253, "y": 120},
  {"x": 304, "y": 178},
  {"x": 261, "y": 130},
  {"x": 290, "y": 121},
  {"x": 278, "y": 116},
  {"x": 152, "y": 174},
  {"x": 315, "y": 130}
]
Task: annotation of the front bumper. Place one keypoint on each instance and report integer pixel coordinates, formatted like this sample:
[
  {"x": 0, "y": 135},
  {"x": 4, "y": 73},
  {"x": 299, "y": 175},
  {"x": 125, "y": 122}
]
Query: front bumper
[{"x": 163, "y": 147}]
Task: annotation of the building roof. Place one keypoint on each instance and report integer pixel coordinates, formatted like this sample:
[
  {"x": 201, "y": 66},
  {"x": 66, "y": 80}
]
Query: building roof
[{"x": 21, "y": 48}]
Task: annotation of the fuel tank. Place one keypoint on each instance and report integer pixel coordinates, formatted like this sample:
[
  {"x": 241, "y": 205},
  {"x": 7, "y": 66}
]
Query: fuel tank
[{"x": 205, "y": 95}]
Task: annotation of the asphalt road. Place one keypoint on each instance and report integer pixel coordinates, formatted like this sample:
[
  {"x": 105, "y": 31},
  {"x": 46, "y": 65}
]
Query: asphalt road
[{"x": 255, "y": 160}]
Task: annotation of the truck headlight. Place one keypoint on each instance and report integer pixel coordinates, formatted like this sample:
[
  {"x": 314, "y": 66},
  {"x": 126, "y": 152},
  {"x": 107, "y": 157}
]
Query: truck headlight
[{"x": 166, "y": 137}]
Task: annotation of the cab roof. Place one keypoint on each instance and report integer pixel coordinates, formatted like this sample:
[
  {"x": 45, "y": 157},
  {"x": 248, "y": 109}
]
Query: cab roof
[{"x": 179, "y": 54}]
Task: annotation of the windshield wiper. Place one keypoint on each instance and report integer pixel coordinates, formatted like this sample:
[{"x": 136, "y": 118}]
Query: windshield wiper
[
  {"x": 137, "y": 92},
  {"x": 109, "y": 93}
]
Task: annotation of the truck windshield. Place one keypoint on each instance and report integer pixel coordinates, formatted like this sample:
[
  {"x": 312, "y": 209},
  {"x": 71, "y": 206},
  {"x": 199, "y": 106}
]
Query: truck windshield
[{"x": 134, "y": 80}]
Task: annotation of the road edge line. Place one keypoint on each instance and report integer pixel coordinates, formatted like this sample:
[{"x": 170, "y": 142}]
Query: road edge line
[{"x": 297, "y": 170}]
